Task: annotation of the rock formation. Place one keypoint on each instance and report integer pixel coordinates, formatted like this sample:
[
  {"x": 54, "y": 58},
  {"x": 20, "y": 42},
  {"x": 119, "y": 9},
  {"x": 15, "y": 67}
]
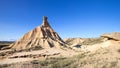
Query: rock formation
[
  {"x": 111, "y": 36},
  {"x": 43, "y": 36}
]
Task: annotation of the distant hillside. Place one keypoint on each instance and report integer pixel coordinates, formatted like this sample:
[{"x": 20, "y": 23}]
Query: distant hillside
[
  {"x": 83, "y": 41},
  {"x": 5, "y": 43}
]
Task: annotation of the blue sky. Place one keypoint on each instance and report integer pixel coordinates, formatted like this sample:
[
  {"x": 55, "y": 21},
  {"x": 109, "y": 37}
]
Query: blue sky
[{"x": 69, "y": 18}]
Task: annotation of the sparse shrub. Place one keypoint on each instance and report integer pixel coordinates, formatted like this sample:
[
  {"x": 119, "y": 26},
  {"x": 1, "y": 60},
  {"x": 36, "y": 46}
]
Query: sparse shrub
[
  {"x": 63, "y": 63},
  {"x": 92, "y": 54},
  {"x": 4, "y": 65},
  {"x": 82, "y": 55},
  {"x": 105, "y": 52},
  {"x": 48, "y": 62},
  {"x": 35, "y": 62},
  {"x": 118, "y": 50},
  {"x": 44, "y": 63},
  {"x": 84, "y": 62},
  {"x": 2, "y": 54},
  {"x": 113, "y": 64}
]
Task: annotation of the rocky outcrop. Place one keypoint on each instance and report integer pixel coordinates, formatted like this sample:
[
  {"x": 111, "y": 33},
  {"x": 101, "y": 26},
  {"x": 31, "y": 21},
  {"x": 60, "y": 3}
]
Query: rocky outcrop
[
  {"x": 111, "y": 36},
  {"x": 43, "y": 36}
]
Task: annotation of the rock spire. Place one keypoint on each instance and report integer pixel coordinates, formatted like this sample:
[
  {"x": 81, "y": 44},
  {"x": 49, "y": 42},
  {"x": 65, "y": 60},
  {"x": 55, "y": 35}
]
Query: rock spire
[{"x": 43, "y": 36}]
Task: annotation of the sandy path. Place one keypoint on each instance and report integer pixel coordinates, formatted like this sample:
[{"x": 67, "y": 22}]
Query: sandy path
[{"x": 9, "y": 61}]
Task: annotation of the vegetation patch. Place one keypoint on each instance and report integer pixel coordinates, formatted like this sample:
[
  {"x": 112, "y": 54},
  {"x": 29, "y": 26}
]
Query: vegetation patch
[{"x": 118, "y": 50}]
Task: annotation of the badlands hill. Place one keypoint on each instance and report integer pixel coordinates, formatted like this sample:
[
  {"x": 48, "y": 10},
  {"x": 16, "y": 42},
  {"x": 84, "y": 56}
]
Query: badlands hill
[
  {"x": 43, "y": 48},
  {"x": 42, "y": 36}
]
